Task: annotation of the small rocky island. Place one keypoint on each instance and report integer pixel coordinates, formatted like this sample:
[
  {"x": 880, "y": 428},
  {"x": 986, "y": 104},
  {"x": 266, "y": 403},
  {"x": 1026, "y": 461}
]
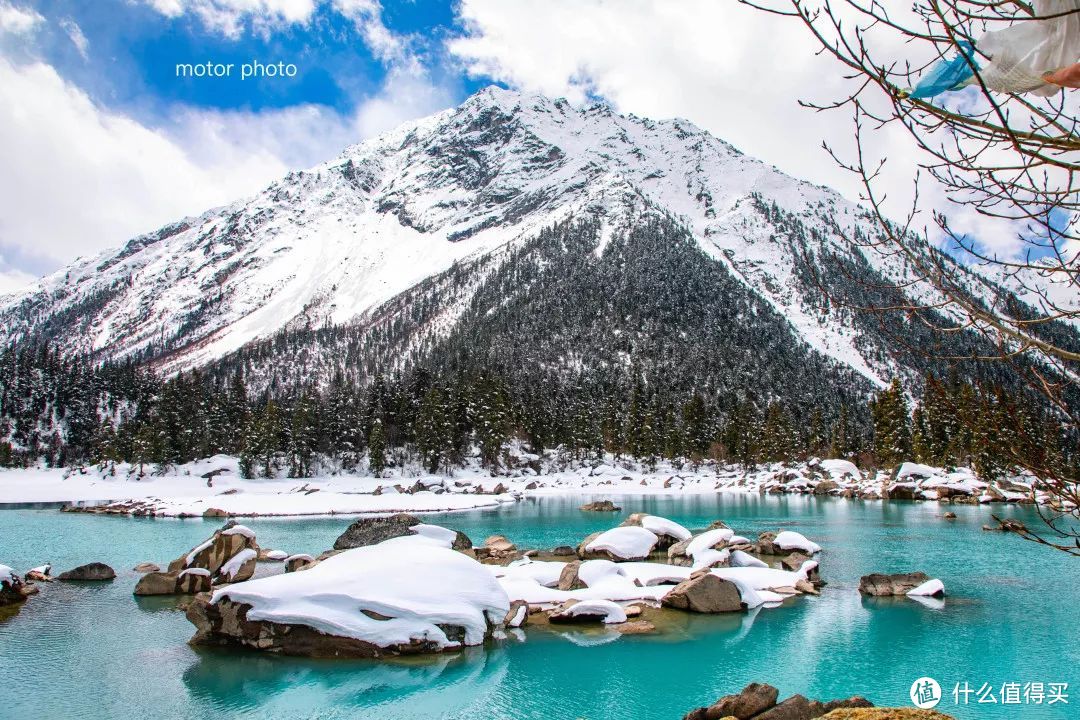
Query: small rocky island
[{"x": 395, "y": 585}]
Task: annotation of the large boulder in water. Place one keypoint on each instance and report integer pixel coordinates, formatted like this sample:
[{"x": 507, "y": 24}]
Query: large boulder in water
[
  {"x": 374, "y": 530},
  {"x": 704, "y": 592},
  {"x": 94, "y": 571},
  {"x": 881, "y": 585}
]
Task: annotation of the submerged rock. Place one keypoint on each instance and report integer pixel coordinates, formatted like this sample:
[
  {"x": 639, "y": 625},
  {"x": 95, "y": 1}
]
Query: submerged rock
[
  {"x": 881, "y": 585},
  {"x": 146, "y": 567},
  {"x": 94, "y": 571},
  {"x": 704, "y": 593}
]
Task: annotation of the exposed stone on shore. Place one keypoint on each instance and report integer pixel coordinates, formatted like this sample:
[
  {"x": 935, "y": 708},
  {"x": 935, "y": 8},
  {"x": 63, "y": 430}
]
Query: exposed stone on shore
[{"x": 146, "y": 567}]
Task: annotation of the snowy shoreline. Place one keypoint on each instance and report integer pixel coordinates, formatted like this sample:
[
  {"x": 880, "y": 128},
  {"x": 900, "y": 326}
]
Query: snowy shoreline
[{"x": 185, "y": 491}]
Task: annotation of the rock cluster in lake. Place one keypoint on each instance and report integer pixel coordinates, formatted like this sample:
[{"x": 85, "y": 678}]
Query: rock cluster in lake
[
  {"x": 758, "y": 701},
  {"x": 228, "y": 556}
]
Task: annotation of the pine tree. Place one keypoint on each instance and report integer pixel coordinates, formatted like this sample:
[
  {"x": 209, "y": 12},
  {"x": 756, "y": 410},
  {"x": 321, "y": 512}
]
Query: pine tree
[
  {"x": 376, "y": 448},
  {"x": 892, "y": 425}
]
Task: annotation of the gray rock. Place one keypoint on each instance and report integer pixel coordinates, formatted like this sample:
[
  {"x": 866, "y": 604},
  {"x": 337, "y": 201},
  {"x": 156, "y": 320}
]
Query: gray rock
[
  {"x": 601, "y": 506},
  {"x": 146, "y": 567},
  {"x": 704, "y": 593},
  {"x": 171, "y": 583},
  {"x": 795, "y": 707},
  {"x": 880, "y": 585},
  {"x": 568, "y": 578},
  {"x": 372, "y": 531},
  {"x": 754, "y": 699},
  {"x": 94, "y": 571}
]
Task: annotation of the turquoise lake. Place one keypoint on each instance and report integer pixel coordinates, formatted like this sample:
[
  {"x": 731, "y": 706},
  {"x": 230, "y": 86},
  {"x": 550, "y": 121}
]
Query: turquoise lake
[{"x": 78, "y": 651}]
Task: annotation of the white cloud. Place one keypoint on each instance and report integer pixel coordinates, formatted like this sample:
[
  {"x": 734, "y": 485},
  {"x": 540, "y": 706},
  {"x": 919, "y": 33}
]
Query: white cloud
[
  {"x": 18, "y": 21},
  {"x": 80, "y": 178},
  {"x": 228, "y": 16},
  {"x": 78, "y": 39},
  {"x": 14, "y": 280},
  {"x": 367, "y": 16}
]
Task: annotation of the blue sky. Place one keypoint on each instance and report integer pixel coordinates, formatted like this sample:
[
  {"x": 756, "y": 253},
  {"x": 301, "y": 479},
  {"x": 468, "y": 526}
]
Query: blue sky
[{"x": 141, "y": 46}]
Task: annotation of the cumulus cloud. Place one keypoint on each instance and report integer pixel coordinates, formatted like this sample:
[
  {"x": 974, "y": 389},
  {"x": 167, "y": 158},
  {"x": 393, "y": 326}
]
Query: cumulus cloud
[{"x": 16, "y": 20}]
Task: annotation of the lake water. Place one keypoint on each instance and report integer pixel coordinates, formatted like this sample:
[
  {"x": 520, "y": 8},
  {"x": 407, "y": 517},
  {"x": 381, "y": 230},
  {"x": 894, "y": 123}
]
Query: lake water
[{"x": 95, "y": 651}]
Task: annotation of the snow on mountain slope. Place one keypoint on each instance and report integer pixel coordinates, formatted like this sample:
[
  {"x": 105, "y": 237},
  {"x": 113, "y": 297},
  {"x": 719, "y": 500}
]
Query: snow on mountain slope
[{"x": 332, "y": 243}]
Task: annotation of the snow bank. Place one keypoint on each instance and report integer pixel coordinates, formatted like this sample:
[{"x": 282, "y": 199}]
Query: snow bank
[
  {"x": 626, "y": 543},
  {"x": 789, "y": 540},
  {"x": 233, "y": 565},
  {"x": 415, "y": 581},
  {"x": 930, "y": 588},
  {"x": 662, "y": 526},
  {"x": 240, "y": 530},
  {"x": 277, "y": 555},
  {"x": 195, "y": 571},
  {"x": 7, "y": 575},
  {"x": 840, "y": 469}
]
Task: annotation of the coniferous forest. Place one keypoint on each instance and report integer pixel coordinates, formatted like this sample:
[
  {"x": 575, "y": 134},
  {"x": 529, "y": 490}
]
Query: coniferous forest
[{"x": 70, "y": 412}]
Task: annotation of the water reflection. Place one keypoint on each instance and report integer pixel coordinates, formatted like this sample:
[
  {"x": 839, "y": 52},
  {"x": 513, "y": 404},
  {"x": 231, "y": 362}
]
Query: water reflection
[{"x": 430, "y": 686}]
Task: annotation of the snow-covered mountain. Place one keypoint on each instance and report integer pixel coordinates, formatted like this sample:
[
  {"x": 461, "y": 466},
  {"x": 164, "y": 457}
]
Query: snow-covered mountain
[{"x": 349, "y": 242}]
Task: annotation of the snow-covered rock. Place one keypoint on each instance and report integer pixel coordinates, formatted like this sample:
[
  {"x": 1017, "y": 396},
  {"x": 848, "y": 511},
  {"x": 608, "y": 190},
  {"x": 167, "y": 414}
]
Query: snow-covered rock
[
  {"x": 603, "y": 611},
  {"x": 790, "y": 540},
  {"x": 662, "y": 526},
  {"x": 624, "y": 543},
  {"x": 409, "y": 594}
]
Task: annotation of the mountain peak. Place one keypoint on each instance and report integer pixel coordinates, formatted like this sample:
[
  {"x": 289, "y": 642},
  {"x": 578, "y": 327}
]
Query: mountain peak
[{"x": 337, "y": 243}]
